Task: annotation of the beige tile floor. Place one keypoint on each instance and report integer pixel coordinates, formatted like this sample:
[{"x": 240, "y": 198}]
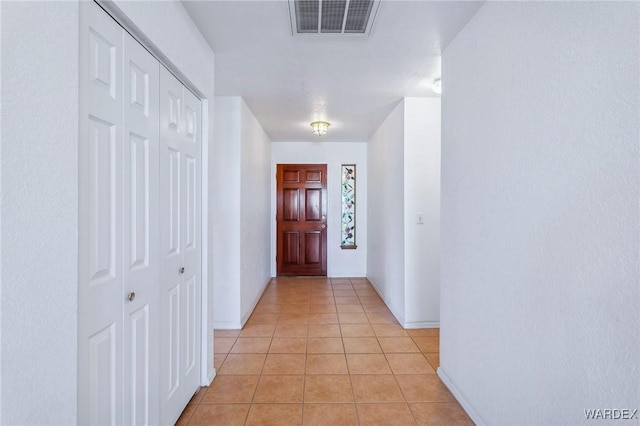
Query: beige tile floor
[{"x": 320, "y": 351}]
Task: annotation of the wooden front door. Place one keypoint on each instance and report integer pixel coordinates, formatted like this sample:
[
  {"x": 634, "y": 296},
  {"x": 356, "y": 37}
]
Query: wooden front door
[{"x": 301, "y": 219}]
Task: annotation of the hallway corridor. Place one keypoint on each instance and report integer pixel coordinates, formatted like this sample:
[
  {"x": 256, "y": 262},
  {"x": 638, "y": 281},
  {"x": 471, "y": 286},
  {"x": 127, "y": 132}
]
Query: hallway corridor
[{"x": 321, "y": 351}]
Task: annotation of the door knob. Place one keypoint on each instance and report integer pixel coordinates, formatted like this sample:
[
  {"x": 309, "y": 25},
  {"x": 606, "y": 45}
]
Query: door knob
[
  {"x": 323, "y": 226},
  {"x": 131, "y": 296},
  {"x": 182, "y": 270}
]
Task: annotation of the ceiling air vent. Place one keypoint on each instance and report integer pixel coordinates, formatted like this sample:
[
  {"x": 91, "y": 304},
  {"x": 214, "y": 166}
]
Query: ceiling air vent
[{"x": 332, "y": 16}]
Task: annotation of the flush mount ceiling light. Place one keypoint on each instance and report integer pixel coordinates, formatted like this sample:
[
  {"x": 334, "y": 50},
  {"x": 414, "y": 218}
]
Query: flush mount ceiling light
[
  {"x": 320, "y": 127},
  {"x": 436, "y": 86}
]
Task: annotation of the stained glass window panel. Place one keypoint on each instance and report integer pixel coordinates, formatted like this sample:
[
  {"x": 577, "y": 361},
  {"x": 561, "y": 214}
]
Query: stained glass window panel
[{"x": 348, "y": 230}]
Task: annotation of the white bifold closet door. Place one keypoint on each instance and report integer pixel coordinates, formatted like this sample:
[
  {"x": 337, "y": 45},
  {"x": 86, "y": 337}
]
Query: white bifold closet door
[
  {"x": 180, "y": 242},
  {"x": 140, "y": 199},
  {"x": 100, "y": 162},
  {"x": 140, "y": 210}
]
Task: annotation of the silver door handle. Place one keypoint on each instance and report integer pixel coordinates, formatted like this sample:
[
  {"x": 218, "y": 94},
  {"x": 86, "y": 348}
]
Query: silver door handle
[
  {"x": 131, "y": 296},
  {"x": 182, "y": 270}
]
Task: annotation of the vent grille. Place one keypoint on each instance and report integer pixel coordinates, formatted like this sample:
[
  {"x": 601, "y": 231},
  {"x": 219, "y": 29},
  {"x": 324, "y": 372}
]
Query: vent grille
[
  {"x": 358, "y": 16},
  {"x": 332, "y": 16},
  {"x": 307, "y": 16}
]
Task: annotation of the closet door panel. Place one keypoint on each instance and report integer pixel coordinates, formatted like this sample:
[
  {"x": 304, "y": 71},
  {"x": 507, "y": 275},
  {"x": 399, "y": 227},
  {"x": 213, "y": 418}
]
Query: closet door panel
[
  {"x": 181, "y": 251},
  {"x": 100, "y": 325},
  {"x": 172, "y": 229},
  {"x": 141, "y": 239},
  {"x": 172, "y": 188},
  {"x": 140, "y": 407},
  {"x": 192, "y": 148},
  {"x": 172, "y": 368}
]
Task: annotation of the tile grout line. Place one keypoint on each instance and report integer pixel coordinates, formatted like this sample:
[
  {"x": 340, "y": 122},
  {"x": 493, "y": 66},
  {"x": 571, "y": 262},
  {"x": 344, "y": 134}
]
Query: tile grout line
[
  {"x": 375, "y": 315},
  {"x": 353, "y": 391}
]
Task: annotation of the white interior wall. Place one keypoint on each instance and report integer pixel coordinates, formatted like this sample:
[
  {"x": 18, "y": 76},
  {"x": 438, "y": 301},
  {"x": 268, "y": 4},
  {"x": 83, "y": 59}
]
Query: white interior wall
[
  {"x": 540, "y": 207},
  {"x": 255, "y": 232},
  {"x": 422, "y": 196},
  {"x": 404, "y": 256},
  {"x": 340, "y": 263},
  {"x": 39, "y": 260},
  {"x": 226, "y": 204},
  {"x": 39, "y": 263},
  {"x": 242, "y": 204},
  {"x": 385, "y": 215}
]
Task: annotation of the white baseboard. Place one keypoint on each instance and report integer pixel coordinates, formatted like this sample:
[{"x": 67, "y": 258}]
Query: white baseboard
[
  {"x": 238, "y": 325},
  {"x": 398, "y": 317},
  {"x": 347, "y": 276},
  {"x": 364, "y": 275},
  {"x": 246, "y": 316},
  {"x": 466, "y": 405},
  {"x": 227, "y": 326},
  {"x": 421, "y": 324},
  {"x": 211, "y": 377}
]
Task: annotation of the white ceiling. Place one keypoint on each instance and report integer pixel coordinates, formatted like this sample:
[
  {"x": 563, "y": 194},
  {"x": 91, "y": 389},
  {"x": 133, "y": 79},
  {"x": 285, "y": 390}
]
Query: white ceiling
[{"x": 351, "y": 81}]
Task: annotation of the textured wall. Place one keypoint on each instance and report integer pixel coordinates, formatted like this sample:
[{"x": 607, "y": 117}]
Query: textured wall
[
  {"x": 39, "y": 212},
  {"x": 226, "y": 180},
  {"x": 255, "y": 206},
  {"x": 241, "y": 209},
  {"x": 340, "y": 263},
  {"x": 540, "y": 190},
  {"x": 403, "y": 256},
  {"x": 385, "y": 253},
  {"x": 422, "y": 196}
]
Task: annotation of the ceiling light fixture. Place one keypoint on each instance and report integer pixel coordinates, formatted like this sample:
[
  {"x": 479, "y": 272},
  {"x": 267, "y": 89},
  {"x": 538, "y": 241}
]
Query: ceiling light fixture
[
  {"x": 436, "y": 86},
  {"x": 320, "y": 127}
]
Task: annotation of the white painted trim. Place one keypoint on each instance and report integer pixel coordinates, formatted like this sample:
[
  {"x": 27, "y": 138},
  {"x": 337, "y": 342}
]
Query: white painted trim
[
  {"x": 398, "y": 317},
  {"x": 211, "y": 377},
  {"x": 2, "y": 258},
  {"x": 466, "y": 405},
  {"x": 227, "y": 325},
  {"x": 114, "y": 11},
  {"x": 421, "y": 324},
  {"x": 347, "y": 276},
  {"x": 204, "y": 238},
  {"x": 246, "y": 316}
]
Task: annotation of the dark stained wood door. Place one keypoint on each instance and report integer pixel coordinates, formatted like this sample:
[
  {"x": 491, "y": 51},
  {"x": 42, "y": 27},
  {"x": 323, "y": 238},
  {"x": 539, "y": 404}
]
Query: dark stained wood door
[{"x": 301, "y": 219}]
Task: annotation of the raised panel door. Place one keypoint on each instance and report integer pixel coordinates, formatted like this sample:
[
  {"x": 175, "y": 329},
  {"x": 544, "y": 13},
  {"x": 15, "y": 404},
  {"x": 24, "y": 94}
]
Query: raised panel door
[
  {"x": 192, "y": 231},
  {"x": 140, "y": 225},
  {"x": 301, "y": 219},
  {"x": 171, "y": 245},
  {"x": 180, "y": 245},
  {"x": 100, "y": 315}
]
